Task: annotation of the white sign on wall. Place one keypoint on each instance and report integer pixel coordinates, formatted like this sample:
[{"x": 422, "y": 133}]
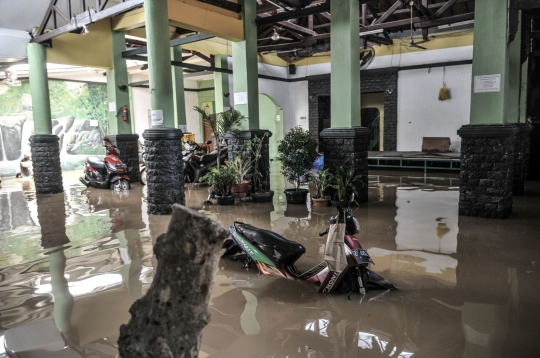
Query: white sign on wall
[
  {"x": 112, "y": 106},
  {"x": 156, "y": 117},
  {"x": 487, "y": 84},
  {"x": 94, "y": 123},
  {"x": 240, "y": 98}
]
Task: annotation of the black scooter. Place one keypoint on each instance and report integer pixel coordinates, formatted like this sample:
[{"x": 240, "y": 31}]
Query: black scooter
[
  {"x": 196, "y": 166},
  {"x": 108, "y": 172}
]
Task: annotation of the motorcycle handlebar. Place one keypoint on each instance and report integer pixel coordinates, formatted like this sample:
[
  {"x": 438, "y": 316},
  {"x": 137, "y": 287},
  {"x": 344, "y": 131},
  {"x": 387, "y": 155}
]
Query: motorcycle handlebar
[{"x": 322, "y": 233}]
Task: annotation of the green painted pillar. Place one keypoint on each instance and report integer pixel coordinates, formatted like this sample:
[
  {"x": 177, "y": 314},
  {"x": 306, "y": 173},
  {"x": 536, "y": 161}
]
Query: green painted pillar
[
  {"x": 39, "y": 88},
  {"x": 221, "y": 83},
  {"x": 345, "y": 64},
  {"x": 523, "y": 99},
  {"x": 492, "y": 60},
  {"x": 245, "y": 70},
  {"x": 159, "y": 62},
  {"x": 178, "y": 88},
  {"x": 514, "y": 78},
  {"x": 117, "y": 87}
]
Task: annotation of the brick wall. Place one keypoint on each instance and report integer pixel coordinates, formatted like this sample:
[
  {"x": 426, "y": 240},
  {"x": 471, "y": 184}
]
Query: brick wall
[{"x": 371, "y": 82}]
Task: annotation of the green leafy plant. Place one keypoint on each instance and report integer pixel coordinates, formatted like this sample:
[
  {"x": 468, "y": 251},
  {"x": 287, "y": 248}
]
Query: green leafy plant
[
  {"x": 322, "y": 181},
  {"x": 221, "y": 179},
  {"x": 297, "y": 152},
  {"x": 344, "y": 181},
  {"x": 241, "y": 167},
  {"x": 221, "y": 123},
  {"x": 254, "y": 147}
]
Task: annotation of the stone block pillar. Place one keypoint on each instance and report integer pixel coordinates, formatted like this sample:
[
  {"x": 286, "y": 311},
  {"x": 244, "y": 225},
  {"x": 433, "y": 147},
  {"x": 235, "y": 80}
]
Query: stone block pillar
[
  {"x": 348, "y": 147},
  {"x": 521, "y": 157},
  {"x": 487, "y": 170},
  {"x": 235, "y": 143},
  {"x": 128, "y": 144},
  {"x": 164, "y": 169},
  {"x": 45, "y": 151}
]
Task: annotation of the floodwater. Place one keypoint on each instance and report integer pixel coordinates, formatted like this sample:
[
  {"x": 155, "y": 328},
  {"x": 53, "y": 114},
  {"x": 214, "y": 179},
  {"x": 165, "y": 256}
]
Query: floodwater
[{"x": 72, "y": 264}]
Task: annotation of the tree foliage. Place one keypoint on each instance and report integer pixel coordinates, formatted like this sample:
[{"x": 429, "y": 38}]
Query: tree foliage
[{"x": 297, "y": 152}]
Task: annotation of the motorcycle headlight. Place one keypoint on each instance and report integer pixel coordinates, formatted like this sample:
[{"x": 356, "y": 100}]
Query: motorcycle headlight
[{"x": 110, "y": 166}]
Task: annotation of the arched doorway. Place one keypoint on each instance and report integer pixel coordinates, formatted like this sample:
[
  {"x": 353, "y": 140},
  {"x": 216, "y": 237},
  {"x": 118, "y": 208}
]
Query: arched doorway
[{"x": 271, "y": 118}]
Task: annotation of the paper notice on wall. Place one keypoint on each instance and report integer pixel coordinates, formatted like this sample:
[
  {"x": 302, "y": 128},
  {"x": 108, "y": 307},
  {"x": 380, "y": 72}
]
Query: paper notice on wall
[
  {"x": 240, "y": 98},
  {"x": 112, "y": 106},
  {"x": 487, "y": 84},
  {"x": 156, "y": 117},
  {"x": 94, "y": 123}
]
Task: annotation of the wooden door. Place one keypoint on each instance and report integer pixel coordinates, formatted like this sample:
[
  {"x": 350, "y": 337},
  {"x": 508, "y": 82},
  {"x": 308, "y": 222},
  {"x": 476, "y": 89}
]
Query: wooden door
[{"x": 208, "y": 136}]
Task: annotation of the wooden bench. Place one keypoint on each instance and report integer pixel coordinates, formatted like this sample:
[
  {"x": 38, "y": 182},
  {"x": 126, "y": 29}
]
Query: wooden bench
[{"x": 436, "y": 144}]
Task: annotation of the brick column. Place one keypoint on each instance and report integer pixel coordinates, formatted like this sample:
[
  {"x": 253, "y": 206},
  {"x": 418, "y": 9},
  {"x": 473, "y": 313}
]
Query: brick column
[
  {"x": 164, "y": 169},
  {"x": 487, "y": 170},
  {"x": 348, "y": 147},
  {"x": 128, "y": 144},
  {"x": 521, "y": 157},
  {"x": 235, "y": 143},
  {"x": 46, "y": 163}
]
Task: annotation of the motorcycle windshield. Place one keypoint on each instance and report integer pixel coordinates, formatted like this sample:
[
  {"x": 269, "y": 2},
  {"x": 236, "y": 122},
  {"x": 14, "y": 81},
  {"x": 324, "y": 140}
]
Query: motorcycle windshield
[{"x": 362, "y": 257}]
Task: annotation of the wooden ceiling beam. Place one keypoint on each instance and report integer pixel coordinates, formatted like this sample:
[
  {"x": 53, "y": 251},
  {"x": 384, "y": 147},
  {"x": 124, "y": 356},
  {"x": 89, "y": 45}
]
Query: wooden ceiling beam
[{"x": 309, "y": 41}]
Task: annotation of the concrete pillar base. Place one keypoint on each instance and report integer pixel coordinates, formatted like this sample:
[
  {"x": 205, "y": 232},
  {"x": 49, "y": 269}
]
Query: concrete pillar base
[
  {"x": 521, "y": 157},
  {"x": 164, "y": 169},
  {"x": 45, "y": 151},
  {"x": 348, "y": 147},
  {"x": 235, "y": 142},
  {"x": 51, "y": 213},
  {"x": 534, "y": 168},
  {"x": 128, "y": 144},
  {"x": 487, "y": 170}
]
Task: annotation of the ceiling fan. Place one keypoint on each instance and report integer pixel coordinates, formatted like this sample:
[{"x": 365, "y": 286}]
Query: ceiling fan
[
  {"x": 411, "y": 42},
  {"x": 276, "y": 36}
]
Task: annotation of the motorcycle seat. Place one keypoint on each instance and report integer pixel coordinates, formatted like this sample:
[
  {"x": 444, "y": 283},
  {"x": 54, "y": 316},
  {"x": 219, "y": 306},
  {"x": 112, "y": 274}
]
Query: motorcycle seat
[
  {"x": 289, "y": 251},
  {"x": 207, "y": 158},
  {"x": 96, "y": 162}
]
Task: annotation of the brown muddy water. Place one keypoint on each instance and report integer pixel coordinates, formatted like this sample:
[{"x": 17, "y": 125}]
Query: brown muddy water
[{"x": 72, "y": 264}]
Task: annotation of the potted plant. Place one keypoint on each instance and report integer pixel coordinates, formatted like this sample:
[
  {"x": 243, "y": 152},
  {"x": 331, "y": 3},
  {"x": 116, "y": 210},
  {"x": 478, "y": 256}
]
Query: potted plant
[
  {"x": 241, "y": 167},
  {"x": 297, "y": 152},
  {"x": 344, "y": 181},
  {"x": 221, "y": 123},
  {"x": 322, "y": 181},
  {"x": 221, "y": 180},
  {"x": 261, "y": 192}
]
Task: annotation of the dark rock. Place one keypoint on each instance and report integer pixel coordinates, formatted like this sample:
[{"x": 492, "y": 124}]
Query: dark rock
[
  {"x": 168, "y": 320},
  {"x": 165, "y": 169},
  {"x": 348, "y": 147},
  {"x": 46, "y": 163},
  {"x": 487, "y": 179}
]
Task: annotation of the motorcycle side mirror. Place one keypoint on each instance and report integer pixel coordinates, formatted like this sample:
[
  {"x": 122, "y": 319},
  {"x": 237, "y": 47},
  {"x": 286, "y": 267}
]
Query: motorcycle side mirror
[{"x": 208, "y": 142}]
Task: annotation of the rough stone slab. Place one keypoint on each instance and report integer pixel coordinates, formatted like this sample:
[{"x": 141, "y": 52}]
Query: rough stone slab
[
  {"x": 168, "y": 320},
  {"x": 45, "y": 151}
]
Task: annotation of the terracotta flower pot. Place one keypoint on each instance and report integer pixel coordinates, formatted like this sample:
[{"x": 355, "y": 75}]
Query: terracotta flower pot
[
  {"x": 324, "y": 201},
  {"x": 240, "y": 190}
]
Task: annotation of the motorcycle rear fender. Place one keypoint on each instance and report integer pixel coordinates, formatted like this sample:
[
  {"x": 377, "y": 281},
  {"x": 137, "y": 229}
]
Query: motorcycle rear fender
[
  {"x": 251, "y": 249},
  {"x": 118, "y": 177}
]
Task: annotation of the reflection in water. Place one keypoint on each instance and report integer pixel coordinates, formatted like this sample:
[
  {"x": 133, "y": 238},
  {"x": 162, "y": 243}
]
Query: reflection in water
[{"x": 468, "y": 287}]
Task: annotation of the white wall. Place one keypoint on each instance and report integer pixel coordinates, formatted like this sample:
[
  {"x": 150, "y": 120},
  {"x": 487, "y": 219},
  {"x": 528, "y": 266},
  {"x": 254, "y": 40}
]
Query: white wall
[
  {"x": 192, "y": 100},
  {"x": 140, "y": 99},
  {"x": 421, "y": 114}
]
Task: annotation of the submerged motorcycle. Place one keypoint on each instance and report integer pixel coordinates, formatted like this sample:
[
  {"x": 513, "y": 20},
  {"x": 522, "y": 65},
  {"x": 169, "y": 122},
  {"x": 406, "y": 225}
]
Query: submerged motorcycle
[
  {"x": 275, "y": 256},
  {"x": 108, "y": 172}
]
